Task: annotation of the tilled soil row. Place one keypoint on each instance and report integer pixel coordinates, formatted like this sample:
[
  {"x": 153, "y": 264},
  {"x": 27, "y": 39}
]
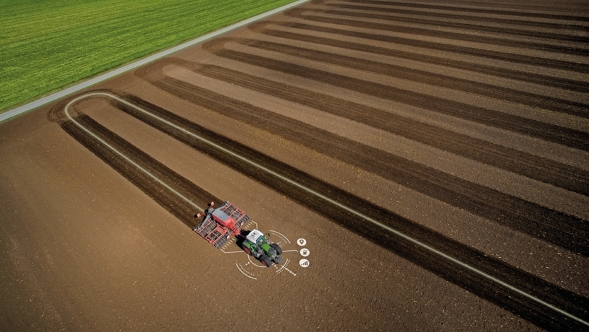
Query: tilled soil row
[
  {"x": 400, "y": 245},
  {"x": 478, "y": 88},
  {"x": 516, "y": 9},
  {"x": 490, "y": 54},
  {"x": 423, "y": 196},
  {"x": 307, "y": 14},
  {"x": 542, "y": 169},
  {"x": 549, "y": 225},
  {"x": 553, "y": 133},
  {"x": 163, "y": 196},
  {"x": 378, "y": 15},
  {"x": 396, "y": 10},
  {"x": 536, "y": 78}
]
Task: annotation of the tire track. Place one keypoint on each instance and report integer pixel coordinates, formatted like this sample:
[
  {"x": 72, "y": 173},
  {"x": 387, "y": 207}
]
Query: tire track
[
  {"x": 160, "y": 194},
  {"x": 420, "y": 76},
  {"x": 557, "y": 134},
  {"x": 536, "y": 78},
  {"x": 538, "y": 168},
  {"x": 495, "y": 55},
  {"x": 300, "y": 13},
  {"x": 507, "y": 298}
]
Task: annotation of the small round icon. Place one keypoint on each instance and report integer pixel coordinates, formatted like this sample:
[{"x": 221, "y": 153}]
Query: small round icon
[
  {"x": 305, "y": 252},
  {"x": 304, "y": 262},
  {"x": 301, "y": 242}
]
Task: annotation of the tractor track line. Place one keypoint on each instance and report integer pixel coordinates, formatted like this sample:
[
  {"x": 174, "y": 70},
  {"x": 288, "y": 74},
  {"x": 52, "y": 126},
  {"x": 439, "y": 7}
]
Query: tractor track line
[
  {"x": 472, "y": 51},
  {"x": 298, "y": 13},
  {"x": 170, "y": 190},
  {"x": 553, "y": 133},
  {"x": 456, "y": 25},
  {"x": 540, "y": 79},
  {"x": 396, "y": 10},
  {"x": 420, "y": 76},
  {"x": 452, "y": 6},
  {"x": 537, "y": 221},
  {"x": 534, "y": 167},
  {"x": 485, "y": 276}
]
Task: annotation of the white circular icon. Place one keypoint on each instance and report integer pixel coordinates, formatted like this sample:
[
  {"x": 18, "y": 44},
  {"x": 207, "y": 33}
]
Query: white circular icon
[
  {"x": 304, "y": 262},
  {"x": 305, "y": 252},
  {"x": 301, "y": 242}
]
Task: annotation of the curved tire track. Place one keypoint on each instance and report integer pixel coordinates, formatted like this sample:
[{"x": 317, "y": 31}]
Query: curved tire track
[
  {"x": 504, "y": 297},
  {"x": 160, "y": 194}
]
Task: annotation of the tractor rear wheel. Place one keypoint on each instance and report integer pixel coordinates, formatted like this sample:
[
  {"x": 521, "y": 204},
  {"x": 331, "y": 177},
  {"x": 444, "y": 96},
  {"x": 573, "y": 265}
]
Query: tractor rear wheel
[
  {"x": 277, "y": 248},
  {"x": 265, "y": 260}
]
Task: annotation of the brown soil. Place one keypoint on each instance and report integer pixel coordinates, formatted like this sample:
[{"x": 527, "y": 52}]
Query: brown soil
[{"x": 462, "y": 127}]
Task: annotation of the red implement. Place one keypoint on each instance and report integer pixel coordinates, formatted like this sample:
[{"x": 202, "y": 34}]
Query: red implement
[{"x": 220, "y": 224}]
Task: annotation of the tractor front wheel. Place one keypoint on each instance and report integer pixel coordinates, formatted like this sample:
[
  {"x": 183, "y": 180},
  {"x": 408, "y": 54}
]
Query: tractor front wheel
[
  {"x": 277, "y": 248},
  {"x": 265, "y": 260}
]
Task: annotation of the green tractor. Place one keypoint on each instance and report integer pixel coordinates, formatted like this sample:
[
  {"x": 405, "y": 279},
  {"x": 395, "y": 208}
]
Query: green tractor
[{"x": 258, "y": 245}]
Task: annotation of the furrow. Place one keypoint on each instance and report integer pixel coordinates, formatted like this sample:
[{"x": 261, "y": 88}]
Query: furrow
[{"x": 553, "y": 133}]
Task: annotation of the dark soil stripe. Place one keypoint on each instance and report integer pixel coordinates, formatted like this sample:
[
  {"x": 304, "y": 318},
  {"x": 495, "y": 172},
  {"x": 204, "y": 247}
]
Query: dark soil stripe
[
  {"x": 550, "y": 81},
  {"x": 483, "y": 89},
  {"x": 515, "y": 58},
  {"x": 161, "y": 195},
  {"x": 549, "y": 225},
  {"x": 539, "y": 315},
  {"x": 482, "y": 10},
  {"x": 545, "y": 170},
  {"x": 298, "y": 13},
  {"x": 462, "y": 16},
  {"x": 457, "y": 25},
  {"x": 557, "y": 134}
]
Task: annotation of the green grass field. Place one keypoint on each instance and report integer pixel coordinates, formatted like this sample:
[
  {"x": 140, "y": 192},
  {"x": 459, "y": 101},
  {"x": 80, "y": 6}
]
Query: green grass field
[{"x": 47, "y": 45}]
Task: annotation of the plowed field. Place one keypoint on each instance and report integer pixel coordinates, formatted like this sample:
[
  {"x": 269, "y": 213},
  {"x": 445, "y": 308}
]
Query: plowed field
[{"x": 433, "y": 157}]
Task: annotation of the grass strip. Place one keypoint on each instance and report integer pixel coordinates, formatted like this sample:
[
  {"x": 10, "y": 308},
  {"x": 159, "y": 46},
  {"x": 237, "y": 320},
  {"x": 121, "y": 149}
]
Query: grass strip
[{"x": 47, "y": 45}]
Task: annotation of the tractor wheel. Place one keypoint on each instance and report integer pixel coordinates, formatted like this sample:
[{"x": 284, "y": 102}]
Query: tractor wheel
[
  {"x": 247, "y": 250},
  {"x": 265, "y": 260},
  {"x": 277, "y": 248}
]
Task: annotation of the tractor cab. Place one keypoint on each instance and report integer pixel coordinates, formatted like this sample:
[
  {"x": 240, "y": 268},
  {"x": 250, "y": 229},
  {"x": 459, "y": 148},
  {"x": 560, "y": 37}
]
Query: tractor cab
[
  {"x": 258, "y": 245},
  {"x": 219, "y": 225},
  {"x": 256, "y": 237}
]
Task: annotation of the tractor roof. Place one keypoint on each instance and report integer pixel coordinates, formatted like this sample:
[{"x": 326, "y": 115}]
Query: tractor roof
[{"x": 254, "y": 235}]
